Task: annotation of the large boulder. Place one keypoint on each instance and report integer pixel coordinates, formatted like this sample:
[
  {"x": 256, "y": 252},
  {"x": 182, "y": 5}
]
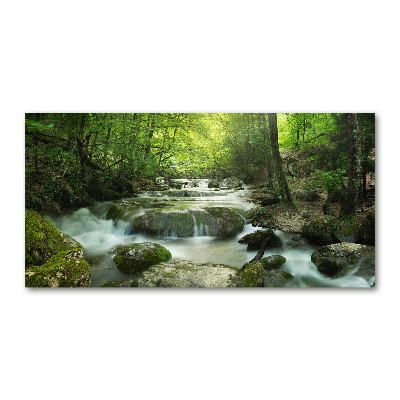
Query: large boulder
[
  {"x": 225, "y": 221},
  {"x": 66, "y": 269},
  {"x": 276, "y": 278},
  {"x": 166, "y": 223},
  {"x": 319, "y": 232},
  {"x": 136, "y": 257},
  {"x": 187, "y": 274},
  {"x": 254, "y": 240},
  {"x": 265, "y": 199},
  {"x": 333, "y": 258},
  {"x": 43, "y": 240},
  {"x": 210, "y": 221}
]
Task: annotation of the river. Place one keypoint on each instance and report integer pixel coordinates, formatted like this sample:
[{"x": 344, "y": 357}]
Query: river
[{"x": 99, "y": 235}]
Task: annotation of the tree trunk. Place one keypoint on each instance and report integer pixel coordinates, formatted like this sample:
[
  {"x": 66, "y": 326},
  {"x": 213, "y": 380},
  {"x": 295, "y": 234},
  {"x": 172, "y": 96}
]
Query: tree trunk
[
  {"x": 268, "y": 151},
  {"x": 80, "y": 145},
  {"x": 349, "y": 205},
  {"x": 151, "y": 125},
  {"x": 280, "y": 175},
  {"x": 364, "y": 182}
]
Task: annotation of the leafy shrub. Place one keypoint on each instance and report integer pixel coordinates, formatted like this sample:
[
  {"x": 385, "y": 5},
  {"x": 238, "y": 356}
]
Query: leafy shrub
[{"x": 330, "y": 180}]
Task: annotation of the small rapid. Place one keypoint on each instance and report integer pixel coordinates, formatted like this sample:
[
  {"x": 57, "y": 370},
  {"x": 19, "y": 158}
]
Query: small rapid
[{"x": 96, "y": 234}]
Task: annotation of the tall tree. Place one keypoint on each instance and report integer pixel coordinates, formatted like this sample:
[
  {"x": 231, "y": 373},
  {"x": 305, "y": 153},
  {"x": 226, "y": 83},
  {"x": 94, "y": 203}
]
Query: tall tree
[
  {"x": 352, "y": 193},
  {"x": 280, "y": 175},
  {"x": 268, "y": 150}
]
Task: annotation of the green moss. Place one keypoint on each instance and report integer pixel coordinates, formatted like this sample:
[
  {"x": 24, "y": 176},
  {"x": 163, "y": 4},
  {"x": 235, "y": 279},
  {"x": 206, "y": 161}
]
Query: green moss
[
  {"x": 251, "y": 276},
  {"x": 349, "y": 229},
  {"x": 272, "y": 262},
  {"x": 42, "y": 240},
  {"x": 66, "y": 269},
  {"x": 136, "y": 257}
]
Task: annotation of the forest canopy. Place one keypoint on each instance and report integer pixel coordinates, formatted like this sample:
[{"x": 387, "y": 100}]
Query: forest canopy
[{"x": 75, "y": 158}]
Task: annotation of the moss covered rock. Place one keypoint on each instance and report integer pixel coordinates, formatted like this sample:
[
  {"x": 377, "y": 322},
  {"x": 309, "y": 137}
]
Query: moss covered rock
[
  {"x": 254, "y": 240},
  {"x": 319, "y": 232},
  {"x": 166, "y": 223},
  {"x": 66, "y": 269},
  {"x": 188, "y": 274},
  {"x": 349, "y": 232},
  {"x": 210, "y": 221},
  {"x": 225, "y": 221},
  {"x": 333, "y": 258},
  {"x": 43, "y": 240},
  {"x": 136, "y": 257},
  {"x": 276, "y": 278},
  {"x": 272, "y": 262},
  {"x": 265, "y": 199},
  {"x": 251, "y": 276}
]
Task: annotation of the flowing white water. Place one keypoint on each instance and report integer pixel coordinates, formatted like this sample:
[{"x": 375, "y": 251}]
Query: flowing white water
[{"x": 98, "y": 236}]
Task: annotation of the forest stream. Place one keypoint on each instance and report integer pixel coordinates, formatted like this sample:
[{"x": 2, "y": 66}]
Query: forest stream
[{"x": 99, "y": 235}]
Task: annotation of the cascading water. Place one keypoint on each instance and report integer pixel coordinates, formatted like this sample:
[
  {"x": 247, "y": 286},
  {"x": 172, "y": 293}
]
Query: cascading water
[
  {"x": 99, "y": 236},
  {"x": 96, "y": 234}
]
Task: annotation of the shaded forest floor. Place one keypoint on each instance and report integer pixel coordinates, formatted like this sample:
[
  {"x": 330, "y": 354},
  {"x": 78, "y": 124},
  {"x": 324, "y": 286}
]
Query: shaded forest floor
[{"x": 303, "y": 181}]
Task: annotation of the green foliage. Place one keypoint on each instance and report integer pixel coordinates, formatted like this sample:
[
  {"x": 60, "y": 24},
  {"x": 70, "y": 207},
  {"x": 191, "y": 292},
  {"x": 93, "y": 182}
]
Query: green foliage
[
  {"x": 341, "y": 223},
  {"x": 251, "y": 276},
  {"x": 258, "y": 213},
  {"x": 335, "y": 224},
  {"x": 330, "y": 180},
  {"x": 102, "y": 154}
]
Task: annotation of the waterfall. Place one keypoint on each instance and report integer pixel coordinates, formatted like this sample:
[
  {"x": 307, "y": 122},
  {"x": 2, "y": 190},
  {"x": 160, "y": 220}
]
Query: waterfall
[
  {"x": 96, "y": 234},
  {"x": 196, "y": 229}
]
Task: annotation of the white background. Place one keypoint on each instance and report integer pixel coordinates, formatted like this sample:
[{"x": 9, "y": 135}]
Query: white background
[{"x": 208, "y": 56}]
